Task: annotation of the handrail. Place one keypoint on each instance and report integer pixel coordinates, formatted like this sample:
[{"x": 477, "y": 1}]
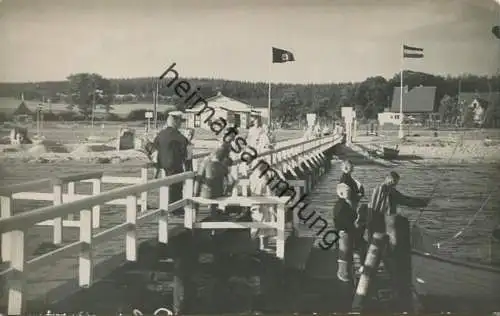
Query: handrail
[
  {"x": 16, "y": 226},
  {"x": 23, "y": 187},
  {"x": 270, "y": 151},
  {"x": 23, "y": 220},
  {"x": 46, "y": 182},
  {"x": 76, "y": 177}
]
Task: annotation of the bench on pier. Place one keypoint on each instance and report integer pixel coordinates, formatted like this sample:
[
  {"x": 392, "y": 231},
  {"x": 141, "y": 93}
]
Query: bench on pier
[{"x": 278, "y": 224}]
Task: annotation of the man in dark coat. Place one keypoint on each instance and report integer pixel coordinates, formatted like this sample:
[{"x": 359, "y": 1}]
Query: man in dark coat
[{"x": 172, "y": 152}]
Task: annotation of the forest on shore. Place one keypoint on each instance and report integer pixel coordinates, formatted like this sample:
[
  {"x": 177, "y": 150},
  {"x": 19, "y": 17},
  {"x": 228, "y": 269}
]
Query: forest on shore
[{"x": 289, "y": 101}]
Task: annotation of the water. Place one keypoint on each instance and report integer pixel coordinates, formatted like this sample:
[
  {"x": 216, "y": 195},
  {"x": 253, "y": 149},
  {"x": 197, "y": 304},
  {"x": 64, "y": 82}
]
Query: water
[{"x": 459, "y": 192}]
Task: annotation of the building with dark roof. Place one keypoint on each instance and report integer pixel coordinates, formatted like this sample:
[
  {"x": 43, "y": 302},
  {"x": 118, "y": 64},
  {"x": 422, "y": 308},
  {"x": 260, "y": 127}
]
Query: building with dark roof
[
  {"x": 417, "y": 100},
  {"x": 418, "y": 103}
]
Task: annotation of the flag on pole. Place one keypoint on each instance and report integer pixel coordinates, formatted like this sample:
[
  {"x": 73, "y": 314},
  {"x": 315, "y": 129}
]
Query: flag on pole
[
  {"x": 282, "y": 56},
  {"x": 412, "y": 52}
]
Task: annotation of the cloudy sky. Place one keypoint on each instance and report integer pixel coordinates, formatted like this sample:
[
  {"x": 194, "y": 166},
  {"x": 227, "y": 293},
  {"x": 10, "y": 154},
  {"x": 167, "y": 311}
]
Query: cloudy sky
[{"x": 334, "y": 40}]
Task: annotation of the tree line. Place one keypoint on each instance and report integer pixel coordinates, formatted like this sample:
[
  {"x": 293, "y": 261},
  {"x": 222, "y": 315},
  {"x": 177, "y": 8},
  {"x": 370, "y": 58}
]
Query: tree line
[{"x": 289, "y": 101}]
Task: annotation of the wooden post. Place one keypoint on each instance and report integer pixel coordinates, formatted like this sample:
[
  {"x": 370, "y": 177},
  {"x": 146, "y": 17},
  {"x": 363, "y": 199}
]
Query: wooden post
[
  {"x": 234, "y": 173},
  {"x": 280, "y": 236},
  {"x": 398, "y": 229},
  {"x": 370, "y": 267},
  {"x": 16, "y": 283},
  {"x": 85, "y": 258},
  {"x": 189, "y": 209},
  {"x": 163, "y": 220},
  {"x": 131, "y": 238},
  {"x": 144, "y": 195},
  {"x": 71, "y": 193},
  {"x": 6, "y": 211},
  {"x": 57, "y": 224},
  {"x": 96, "y": 209},
  {"x": 345, "y": 259}
]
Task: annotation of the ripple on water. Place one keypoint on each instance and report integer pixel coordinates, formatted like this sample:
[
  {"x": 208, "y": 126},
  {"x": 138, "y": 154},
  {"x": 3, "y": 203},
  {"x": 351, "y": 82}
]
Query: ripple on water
[{"x": 457, "y": 191}]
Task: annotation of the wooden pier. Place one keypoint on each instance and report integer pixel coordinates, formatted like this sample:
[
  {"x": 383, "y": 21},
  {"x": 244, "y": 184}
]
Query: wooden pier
[
  {"x": 138, "y": 257},
  {"x": 36, "y": 283}
]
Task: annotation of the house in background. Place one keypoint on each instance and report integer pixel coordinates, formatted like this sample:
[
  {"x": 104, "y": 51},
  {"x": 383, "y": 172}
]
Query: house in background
[
  {"x": 233, "y": 111},
  {"x": 418, "y": 105},
  {"x": 22, "y": 114}
]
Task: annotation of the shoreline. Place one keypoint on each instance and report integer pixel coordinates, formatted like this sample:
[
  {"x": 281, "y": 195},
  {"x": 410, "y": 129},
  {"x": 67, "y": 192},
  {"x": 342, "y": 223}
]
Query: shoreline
[{"x": 436, "y": 150}]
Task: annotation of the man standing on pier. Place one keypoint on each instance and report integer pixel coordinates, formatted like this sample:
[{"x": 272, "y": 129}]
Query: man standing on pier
[
  {"x": 383, "y": 210},
  {"x": 385, "y": 200},
  {"x": 172, "y": 153}
]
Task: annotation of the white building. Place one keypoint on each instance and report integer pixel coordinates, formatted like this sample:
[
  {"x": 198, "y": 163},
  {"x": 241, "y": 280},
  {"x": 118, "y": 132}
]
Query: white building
[
  {"x": 418, "y": 105},
  {"x": 388, "y": 117},
  {"x": 233, "y": 111}
]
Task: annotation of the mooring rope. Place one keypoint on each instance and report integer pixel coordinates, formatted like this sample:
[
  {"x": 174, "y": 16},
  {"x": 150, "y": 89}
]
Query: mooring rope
[
  {"x": 434, "y": 189},
  {"x": 472, "y": 218},
  {"x": 469, "y": 223}
]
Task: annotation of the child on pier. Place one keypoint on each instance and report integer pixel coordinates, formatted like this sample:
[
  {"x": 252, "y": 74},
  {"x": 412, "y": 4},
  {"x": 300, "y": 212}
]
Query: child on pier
[
  {"x": 344, "y": 216},
  {"x": 213, "y": 179},
  {"x": 357, "y": 193}
]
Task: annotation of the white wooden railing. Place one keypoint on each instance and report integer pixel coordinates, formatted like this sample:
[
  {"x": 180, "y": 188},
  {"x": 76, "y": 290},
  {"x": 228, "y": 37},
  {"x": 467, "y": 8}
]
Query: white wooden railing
[{"x": 14, "y": 227}]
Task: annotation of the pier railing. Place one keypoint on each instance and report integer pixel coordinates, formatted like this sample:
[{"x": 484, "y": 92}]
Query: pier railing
[{"x": 14, "y": 227}]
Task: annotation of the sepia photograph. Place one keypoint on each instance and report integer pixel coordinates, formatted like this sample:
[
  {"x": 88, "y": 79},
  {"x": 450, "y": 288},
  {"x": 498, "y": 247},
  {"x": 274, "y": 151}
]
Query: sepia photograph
[{"x": 249, "y": 157}]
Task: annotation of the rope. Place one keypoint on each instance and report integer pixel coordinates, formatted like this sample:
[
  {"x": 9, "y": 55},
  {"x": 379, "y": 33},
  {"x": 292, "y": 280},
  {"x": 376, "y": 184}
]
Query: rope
[
  {"x": 434, "y": 189},
  {"x": 471, "y": 220},
  {"x": 469, "y": 223}
]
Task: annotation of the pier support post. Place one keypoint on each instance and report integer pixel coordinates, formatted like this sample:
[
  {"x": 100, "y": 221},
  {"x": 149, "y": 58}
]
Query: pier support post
[
  {"x": 370, "y": 267},
  {"x": 399, "y": 260},
  {"x": 184, "y": 291}
]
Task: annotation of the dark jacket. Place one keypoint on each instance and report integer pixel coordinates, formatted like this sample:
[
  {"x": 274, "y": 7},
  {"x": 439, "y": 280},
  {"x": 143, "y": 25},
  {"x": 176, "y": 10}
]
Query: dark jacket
[
  {"x": 344, "y": 216},
  {"x": 347, "y": 179},
  {"x": 172, "y": 150}
]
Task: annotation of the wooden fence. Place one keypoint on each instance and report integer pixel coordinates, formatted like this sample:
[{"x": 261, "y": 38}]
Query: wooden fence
[{"x": 14, "y": 227}]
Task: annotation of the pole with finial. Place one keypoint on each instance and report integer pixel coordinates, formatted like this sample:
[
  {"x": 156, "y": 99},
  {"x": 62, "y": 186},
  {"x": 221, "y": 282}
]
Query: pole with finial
[{"x": 401, "y": 132}]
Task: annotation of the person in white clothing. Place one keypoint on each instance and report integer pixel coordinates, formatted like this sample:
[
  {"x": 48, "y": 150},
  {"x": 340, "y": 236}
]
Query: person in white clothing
[
  {"x": 340, "y": 131},
  {"x": 255, "y": 132}
]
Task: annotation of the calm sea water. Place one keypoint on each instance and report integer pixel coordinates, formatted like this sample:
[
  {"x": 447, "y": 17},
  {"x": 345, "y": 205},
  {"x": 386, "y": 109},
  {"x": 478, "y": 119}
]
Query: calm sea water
[
  {"x": 458, "y": 191},
  {"x": 459, "y": 203}
]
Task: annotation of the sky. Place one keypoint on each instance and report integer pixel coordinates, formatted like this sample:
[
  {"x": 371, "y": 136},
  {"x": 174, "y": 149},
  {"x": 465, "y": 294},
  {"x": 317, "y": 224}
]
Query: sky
[{"x": 332, "y": 40}]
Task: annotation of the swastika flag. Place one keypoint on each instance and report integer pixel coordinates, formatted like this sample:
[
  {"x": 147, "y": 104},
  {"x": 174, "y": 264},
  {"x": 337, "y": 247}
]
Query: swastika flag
[{"x": 282, "y": 56}]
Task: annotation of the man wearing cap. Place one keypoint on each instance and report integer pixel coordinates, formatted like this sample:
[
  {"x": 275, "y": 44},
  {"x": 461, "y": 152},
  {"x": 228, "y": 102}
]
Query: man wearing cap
[{"x": 172, "y": 152}]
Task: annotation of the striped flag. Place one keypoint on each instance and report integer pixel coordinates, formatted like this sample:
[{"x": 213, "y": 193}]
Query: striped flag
[{"x": 412, "y": 52}]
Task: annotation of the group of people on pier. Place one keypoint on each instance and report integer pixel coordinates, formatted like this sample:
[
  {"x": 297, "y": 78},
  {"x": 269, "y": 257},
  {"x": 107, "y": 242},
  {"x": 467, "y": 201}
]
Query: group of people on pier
[
  {"x": 357, "y": 222},
  {"x": 213, "y": 178}
]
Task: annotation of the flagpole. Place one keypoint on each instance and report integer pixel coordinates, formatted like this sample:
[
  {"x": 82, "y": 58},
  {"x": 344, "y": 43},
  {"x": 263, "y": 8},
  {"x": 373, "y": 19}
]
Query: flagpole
[
  {"x": 401, "y": 133},
  {"x": 155, "y": 96},
  {"x": 269, "y": 99}
]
